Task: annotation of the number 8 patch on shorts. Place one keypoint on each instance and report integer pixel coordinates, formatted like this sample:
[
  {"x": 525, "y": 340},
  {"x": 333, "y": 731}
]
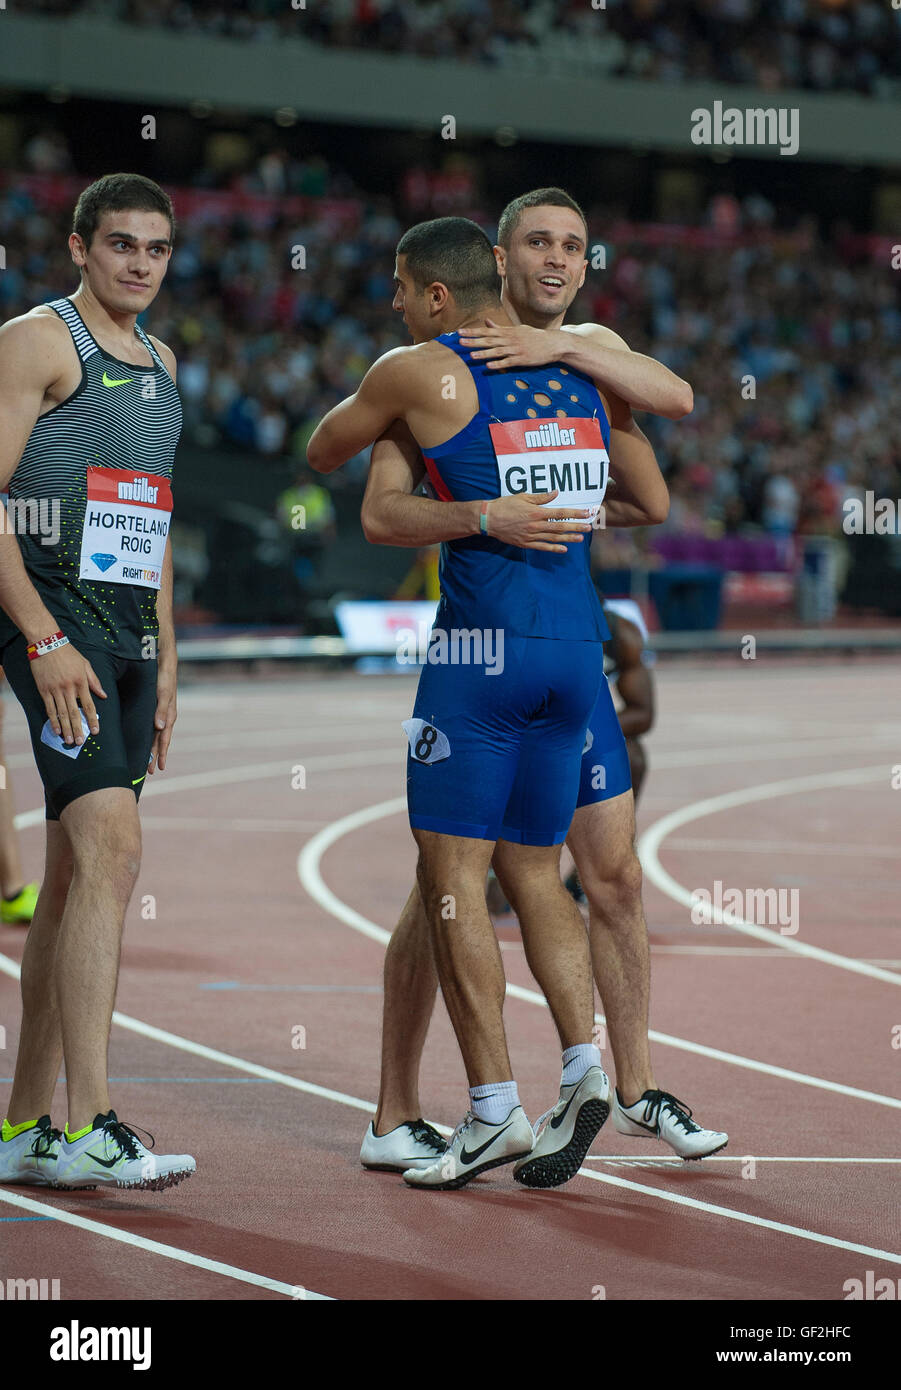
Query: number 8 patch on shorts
[{"x": 427, "y": 744}]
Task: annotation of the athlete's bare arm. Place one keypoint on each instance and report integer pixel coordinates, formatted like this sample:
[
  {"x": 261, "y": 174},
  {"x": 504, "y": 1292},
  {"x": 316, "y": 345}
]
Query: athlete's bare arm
[
  {"x": 36, "y": 366},
  {"x": 427, "y": 386},
  {"x": 642, "y": 382},
  {"x": 167, "y": 666},
  {"x": 636, "y": 492},
  {"x": 355, "y": 423},
  {"x": 633, "y": 681},
  {"x": 167, "y": 655},
  {"x": 391, "y": 515}
]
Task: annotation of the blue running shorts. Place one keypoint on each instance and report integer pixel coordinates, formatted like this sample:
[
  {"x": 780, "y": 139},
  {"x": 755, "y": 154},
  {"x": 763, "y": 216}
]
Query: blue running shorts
[{"x": 495, "y": 750}]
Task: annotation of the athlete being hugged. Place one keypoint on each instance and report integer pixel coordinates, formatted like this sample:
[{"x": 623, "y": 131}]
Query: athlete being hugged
[
  {"x": 542, "y": 262},
  {"x": 89, "y": 421}
]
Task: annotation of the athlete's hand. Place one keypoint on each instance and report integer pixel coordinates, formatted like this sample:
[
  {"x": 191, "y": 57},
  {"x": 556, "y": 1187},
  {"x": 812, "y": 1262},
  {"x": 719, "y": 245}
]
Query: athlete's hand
[
  {"x": 516, "y": 345},
  {"x": 166, "y": 715},
  {"x": 523, "y": 520},
  {"x": 65, "y": 679}
]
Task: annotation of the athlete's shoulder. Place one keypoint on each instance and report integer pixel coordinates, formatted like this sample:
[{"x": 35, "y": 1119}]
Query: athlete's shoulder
[
  {"x": 597, "y": 333},
  {"x": 166, "y": 353},
  {"x": 411, "y": 353},
  {"x": 36, "y": 341},
  {"x": 403, "y": 364},
  {"x": 38, "y": 323}
]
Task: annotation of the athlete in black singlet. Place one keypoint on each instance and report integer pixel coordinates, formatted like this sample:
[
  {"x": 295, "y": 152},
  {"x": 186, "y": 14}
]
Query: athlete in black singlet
[{"x": 89, "y": 421}]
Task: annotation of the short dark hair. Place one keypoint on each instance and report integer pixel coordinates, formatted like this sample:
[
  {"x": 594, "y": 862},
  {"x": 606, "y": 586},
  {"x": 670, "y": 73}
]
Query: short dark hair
[
  {"x": 456, "y": 253},
  {"x": 118, "y": 193},
  {"x": 538, "y": 198}
]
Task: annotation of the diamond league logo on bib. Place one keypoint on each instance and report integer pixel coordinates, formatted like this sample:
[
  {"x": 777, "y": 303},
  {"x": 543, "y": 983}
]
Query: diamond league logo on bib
[
  {"x": 544, "y": 455},
  {"x": 103, "y": 562}
]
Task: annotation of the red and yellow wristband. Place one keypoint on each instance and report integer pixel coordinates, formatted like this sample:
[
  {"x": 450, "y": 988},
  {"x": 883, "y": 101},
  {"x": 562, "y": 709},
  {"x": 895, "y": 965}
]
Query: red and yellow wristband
[{"x": 45, "y": 645}]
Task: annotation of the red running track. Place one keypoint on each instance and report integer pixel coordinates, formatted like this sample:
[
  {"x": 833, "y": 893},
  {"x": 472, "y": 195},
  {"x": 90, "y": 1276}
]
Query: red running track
[{"x": 791, "y": 1053}]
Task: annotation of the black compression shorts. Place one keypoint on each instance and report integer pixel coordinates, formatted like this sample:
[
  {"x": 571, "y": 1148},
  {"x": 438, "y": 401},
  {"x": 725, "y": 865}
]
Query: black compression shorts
[{"x": 115, "y": 757}]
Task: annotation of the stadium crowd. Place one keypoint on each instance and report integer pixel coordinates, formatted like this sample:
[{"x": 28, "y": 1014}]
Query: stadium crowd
[
  {"x": 822, "y": 45},
  {"x": 791, "y": 343}
]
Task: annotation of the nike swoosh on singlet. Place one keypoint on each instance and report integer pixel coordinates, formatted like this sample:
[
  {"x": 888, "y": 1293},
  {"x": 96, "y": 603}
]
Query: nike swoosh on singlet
[
  {"x": 467, "y": 1157},
  {"x": 116, "y": 381}
]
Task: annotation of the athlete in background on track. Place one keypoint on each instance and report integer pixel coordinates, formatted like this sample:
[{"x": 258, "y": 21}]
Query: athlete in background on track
[
  {"x": 89, "y": 421},
  {"x": 17, "y": 905},
  {"x": 626, "y": 668}
]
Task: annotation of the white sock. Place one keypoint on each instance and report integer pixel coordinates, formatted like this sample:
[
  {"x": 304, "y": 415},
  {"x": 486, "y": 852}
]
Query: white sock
[
  {"x": 577, "y": 1060},
  {"x": 493, "y": 1102}
]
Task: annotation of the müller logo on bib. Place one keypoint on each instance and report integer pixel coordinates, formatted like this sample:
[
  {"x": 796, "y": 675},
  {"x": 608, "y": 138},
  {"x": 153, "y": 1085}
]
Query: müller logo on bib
[
  {"x": 126, "y": 524},
  {"x": 544, "y": 455}
]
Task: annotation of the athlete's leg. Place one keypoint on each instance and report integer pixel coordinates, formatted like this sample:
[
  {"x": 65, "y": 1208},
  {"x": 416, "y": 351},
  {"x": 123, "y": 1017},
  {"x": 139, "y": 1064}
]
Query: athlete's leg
[
  {"x": 451, "y": 873},
  {"x": 12, "y": 876},
  {"x": 601, "y": 839},
  {"x": 638, "y": 764},
  {"x": 105, "y": 836},
  {"x": 411, "y": 984},
  {"x": 553, "y": 934},
  {"x": 40, "y": 1041}
]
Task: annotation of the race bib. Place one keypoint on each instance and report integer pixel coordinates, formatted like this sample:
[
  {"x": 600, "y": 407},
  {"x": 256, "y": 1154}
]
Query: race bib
[
  {"x": 540, "y": 455},
  {"x": 427, "y": 744},
  {"x": 126, "y": 523}
]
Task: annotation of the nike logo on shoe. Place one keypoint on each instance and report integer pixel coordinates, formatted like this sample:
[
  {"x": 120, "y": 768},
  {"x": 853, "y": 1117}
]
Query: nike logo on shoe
[
  {"x": 104, "y": 1162},
  {"x": 467, "y": 1157},
  {"x": 557, "y": 1120}
]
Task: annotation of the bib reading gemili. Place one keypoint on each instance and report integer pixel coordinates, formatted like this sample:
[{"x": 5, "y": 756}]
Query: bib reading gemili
[{"x": 92, "y": 497}]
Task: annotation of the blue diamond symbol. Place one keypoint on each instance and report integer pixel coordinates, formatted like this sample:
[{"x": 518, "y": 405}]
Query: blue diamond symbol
[{"x": 103, "y": 562}]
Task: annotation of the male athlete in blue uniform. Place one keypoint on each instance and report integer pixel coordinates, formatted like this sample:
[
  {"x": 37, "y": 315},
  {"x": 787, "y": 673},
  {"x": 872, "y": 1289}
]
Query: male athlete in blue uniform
[
  {"x": 513, "y": 675},
  {"x": 542, "y": 260}
]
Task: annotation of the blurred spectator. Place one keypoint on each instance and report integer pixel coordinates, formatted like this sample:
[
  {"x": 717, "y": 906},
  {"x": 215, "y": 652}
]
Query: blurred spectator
[
  {"x": 792, "y": 343},
  {"x": 306, "y": 511}
]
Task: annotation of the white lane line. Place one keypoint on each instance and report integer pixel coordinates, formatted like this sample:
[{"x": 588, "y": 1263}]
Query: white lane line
[
  {"x": 258, "y": 772},
  {"x": 300, "y": 737},
  {"x": 758, "y": 952},
  {"x": 154, "y": 1247},
  {"x": 295, "y": 827},
  {"x": 309, "y": 858},
  {"x": 212, "y": 1054},
  {"x": 308, "y": 870},
  {"x": 726, "y": 1158},
  {"x": 162, "y": 785},
  {"x": 745, "y": 1217},
  {"x": 652, "y": 839},
  {"x": 758, "y": 753},
  {"x": 853, "y": 851},
  {"x": 223, "y": 776}
]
